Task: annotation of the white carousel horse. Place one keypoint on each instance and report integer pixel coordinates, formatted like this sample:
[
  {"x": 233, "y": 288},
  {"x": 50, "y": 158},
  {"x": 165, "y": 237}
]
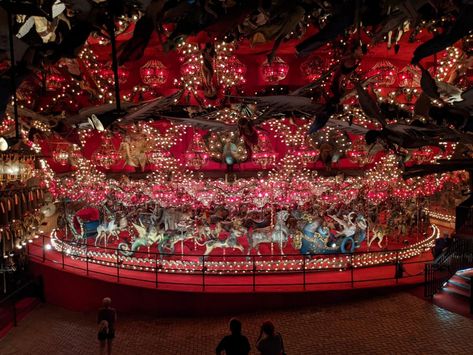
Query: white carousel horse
[
  {"x": 170, "y": 217},
  {"x": 278, "y": 234},
  {"x": 229, "y": 243},
  {"x": 105, "y": 231}
]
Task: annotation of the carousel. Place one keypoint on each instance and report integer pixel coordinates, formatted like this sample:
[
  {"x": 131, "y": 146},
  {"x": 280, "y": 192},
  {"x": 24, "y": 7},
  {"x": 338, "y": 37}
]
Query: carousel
[{"x": 224, "y": 137}]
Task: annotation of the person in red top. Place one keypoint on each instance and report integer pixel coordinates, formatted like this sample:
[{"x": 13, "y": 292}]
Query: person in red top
[{"x": 106, "y": 319}]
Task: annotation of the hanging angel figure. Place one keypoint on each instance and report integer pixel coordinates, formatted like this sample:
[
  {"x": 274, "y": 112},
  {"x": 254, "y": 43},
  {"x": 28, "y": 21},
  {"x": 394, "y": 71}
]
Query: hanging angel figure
[
  {"x": 133, "y": 149},
  {"x": 226, "y": 147}
]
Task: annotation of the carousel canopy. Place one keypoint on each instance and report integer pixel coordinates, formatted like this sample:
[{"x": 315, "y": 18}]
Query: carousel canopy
[{"x": 201, "y": 102}]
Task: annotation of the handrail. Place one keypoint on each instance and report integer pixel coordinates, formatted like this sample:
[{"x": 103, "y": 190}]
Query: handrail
[
  {"x": 247, "y": 271},
  {"x": 419, "y": 245},
  {"x": 446, "y": 264},
  {"x": 17, "y": 291}
]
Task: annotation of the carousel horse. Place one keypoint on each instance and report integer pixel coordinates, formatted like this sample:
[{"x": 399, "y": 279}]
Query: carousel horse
[
  {"x": 146, "y": 238},
  {"x": 231, "y": 242},
  {"x": 77, "y": 233},
  {"x": 170, "y": 217},
  {"x": 277, "y": 234},
  {"x": 378, "y": 234},
  {"x": 106, "y": 230}
]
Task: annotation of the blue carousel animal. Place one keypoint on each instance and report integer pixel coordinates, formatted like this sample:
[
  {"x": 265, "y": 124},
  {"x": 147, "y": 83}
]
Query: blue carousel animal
[
  {"x": 353, "y": 232},
  {"x": 315, "y": 237}
]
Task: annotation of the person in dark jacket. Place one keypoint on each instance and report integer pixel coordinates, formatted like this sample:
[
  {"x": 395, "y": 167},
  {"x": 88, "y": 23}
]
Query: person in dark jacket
[
  {"x": 106, "y": 319},
  {"x": 269, "y": 341},
  {"x": 236, "y": 343}
]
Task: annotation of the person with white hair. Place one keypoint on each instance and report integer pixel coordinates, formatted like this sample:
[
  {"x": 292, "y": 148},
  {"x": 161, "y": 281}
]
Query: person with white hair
[{"x": 106, "y": 319}]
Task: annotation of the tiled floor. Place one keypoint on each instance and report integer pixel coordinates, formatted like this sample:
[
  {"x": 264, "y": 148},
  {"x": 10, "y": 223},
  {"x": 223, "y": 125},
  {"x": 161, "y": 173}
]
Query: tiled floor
[{"x": 395, "y": 324}]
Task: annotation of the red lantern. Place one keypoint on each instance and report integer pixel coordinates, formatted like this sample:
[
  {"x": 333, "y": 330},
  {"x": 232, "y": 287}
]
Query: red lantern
[
  {"x": 106, "y": 155},
  {"x": 231, "y": 72},
  {"x": 313, "y": 67},
  {"x": 54, "y": 80},
  {"x": 61, "y": 156},
  {"x": 276, "y": 71},
  {"x": 197, "y": 154},
  {"x": 154, "y": 73},
  {"x": 359, "y": 153},
  {"x": 409, "y": 77},
  {"x": 107, "y": 73},
  {"x": 191, "y": 67},
  {"x": 385, "y": 72}
]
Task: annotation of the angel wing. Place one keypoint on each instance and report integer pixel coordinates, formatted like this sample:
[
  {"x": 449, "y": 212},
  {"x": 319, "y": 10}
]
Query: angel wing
[
  {"x": 282, "y": 102},
  {"x": 24, "y": 112},
  {"x": 347, "y": 127},
  {"x": 467, "y": 100},
  {"x": 436, "y": 89},
  {"x": 96, "y": 110},
  {"x": 151, "y": 108},
  {"x": 203, "y": 123},
  {"x": 428, "y": 84},
  {"x": 437, "y": 134},
  {"x": 307, "y": 88},
  {"x": 448, "y": 92},
  {"x": 369, "y": 105},
  {"x": 140, "y": 229}
]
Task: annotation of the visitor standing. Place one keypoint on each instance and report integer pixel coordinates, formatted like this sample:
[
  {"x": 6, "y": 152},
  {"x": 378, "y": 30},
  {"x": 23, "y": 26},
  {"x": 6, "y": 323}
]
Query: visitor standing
[
  {"x": 106, "y": 320},
  {"x": 269, "y": 341},
  {"x": 235, "y": 343}
]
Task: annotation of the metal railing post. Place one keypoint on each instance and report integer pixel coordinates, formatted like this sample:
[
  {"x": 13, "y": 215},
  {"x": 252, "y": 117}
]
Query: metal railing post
[
  {"x": 351, "y": 271},
  {"x": 156, "y": 270},
  {"x": 398, "y": 268},
  {"x": 118, "y": 267},
  {"x": 471, "y": 295},
  {"x": 87, "y": 259},
  {"x": 62, "y": 254},
  {"x": 303, "y": 272},
  {"x": 254, "y": 273},
  {"x": 203, "y": 273},
  {"x": 44, "y": 250},
  {"x": 426, "y": 284}
]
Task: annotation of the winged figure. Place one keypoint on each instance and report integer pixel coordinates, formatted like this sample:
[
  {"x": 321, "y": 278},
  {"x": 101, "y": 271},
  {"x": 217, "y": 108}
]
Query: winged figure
[{"x": 458, "y": 104}]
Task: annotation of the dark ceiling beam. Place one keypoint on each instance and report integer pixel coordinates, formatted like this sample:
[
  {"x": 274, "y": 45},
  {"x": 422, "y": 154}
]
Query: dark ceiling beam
[{"x": 444, "y": 166}]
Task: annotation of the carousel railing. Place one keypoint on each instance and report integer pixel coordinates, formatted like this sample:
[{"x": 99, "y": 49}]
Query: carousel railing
[
  {"x": 458, "y": 256},
  {"x": 252, "y": 272}
]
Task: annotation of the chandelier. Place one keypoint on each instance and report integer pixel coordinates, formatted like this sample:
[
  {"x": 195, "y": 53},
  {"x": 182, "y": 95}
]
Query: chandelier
[
  {"x": 107, "y": 73},
  {"x": 154, "y": 73},
  {"x": 196, "y": 155},
  {"x": 231, "y": 72},
  {"x": 54, "y": 80},
  {"x": 264, "y": 159},
  {"x": 313, "y": 67},
  {"x": 359, "y": 153},
  {"x": 305, "y": 155},
  {"x": 106, "y": 155},
  {"x": 61, "y": 156},
  {"x": 385, "y": 72},
  {"x": 263, "y": 154},
  {"x": 409, "y": 77},
  {"x": 275, "y": 71}
]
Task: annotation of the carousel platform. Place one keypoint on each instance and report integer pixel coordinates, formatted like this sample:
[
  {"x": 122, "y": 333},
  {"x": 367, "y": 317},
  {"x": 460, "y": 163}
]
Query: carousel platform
[{"x": 186, "y": 284}]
